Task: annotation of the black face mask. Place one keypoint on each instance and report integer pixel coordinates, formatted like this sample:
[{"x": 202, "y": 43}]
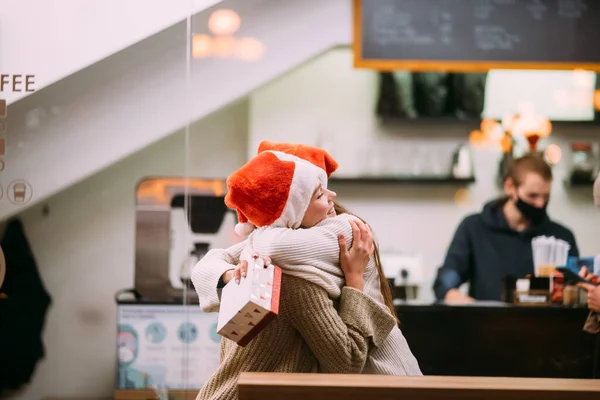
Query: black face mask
[{"x": 532, "y": 213}]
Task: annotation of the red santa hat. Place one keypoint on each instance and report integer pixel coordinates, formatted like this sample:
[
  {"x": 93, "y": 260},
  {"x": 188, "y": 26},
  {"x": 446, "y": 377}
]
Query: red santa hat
[
  {"x": 274, "y": 188},
  {"x": 315, "y": 155}
]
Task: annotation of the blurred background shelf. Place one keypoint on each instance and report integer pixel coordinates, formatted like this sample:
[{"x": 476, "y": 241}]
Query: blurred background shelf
[
  {"x": 579, "y": 183},
  {"x": 406, "y": 180}
]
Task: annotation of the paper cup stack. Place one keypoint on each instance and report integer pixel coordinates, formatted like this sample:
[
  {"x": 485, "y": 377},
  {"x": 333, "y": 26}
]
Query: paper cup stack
[{"x": 548, "y": 253}]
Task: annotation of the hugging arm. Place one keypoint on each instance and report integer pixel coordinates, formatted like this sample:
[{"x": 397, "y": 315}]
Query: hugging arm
[
  {"x": 288, "y": 247},
  {"x": 457, "y": 265},
  {"x": 208, "y": 272}
]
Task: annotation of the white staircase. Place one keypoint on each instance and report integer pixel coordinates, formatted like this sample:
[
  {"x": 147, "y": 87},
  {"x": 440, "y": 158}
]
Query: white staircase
[{"x": 83, "y": 123}]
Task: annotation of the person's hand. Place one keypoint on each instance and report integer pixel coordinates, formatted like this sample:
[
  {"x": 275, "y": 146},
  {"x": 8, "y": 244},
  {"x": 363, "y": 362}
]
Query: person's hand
[
  {"x": 586, "y": 274},
  {"x": 593, "y": 291},
  {"x": 241, "y": 270},
  {"x": 455, "y": 296},
  {"x": 593, "y": 296},
  {"x": 594, "y": 299},
  {"x": 354, "y": 261}
]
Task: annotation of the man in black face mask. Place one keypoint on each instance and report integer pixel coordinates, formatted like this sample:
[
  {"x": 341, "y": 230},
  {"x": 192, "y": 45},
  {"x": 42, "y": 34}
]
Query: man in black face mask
[{"x": 495, "y": 244}]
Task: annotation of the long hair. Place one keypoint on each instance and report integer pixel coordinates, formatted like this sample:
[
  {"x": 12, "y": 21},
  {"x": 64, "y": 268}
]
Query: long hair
[{"x": 384, "y": 285}]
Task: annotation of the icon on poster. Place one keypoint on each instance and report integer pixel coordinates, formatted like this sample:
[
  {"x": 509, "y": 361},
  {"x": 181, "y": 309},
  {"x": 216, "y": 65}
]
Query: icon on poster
[
  {"x": 127, "y": 344},
  {"x": 214, "y": 335},
  {"x": 156, "y": 332},
  {"x": 19, "y": 192},
  {"x": 187, "y": 332}
]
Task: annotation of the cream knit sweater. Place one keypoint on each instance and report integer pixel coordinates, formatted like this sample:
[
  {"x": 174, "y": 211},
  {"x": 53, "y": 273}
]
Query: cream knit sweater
[
  {"x": 311, "y": 329},
  {"x": 313, "y": 254}
]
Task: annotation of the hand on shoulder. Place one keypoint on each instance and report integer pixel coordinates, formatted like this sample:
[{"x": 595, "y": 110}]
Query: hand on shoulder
[{"x": 354, "y": 261}]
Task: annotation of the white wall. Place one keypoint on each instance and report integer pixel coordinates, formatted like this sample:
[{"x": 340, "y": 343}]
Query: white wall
[
  {"x": 569, "y": 96},
  {"x": 326, "y": 102},
  {"x": 85, "y": 251},
  {"x": 52, "y": 39}
]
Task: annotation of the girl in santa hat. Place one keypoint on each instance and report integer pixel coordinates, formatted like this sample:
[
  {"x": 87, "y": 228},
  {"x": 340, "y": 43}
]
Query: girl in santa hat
[{"x": 284, "y": 195}]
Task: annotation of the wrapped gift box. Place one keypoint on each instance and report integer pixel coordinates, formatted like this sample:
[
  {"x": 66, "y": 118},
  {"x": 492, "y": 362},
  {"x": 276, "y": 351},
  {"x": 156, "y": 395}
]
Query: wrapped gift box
[{"x": 248, "y": 307}]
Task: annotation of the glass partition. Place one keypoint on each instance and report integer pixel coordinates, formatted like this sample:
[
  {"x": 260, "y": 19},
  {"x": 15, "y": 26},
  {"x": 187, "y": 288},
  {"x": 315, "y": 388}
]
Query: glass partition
[
  {"x": 97, "y": 193},
  {"x": 225, "y": 47},
  {"x": 115, "y": 145}
]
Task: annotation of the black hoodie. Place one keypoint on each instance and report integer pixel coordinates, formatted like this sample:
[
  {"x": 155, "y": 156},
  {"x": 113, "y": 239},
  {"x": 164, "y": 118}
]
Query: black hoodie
[{"x": 485, "y": 250}]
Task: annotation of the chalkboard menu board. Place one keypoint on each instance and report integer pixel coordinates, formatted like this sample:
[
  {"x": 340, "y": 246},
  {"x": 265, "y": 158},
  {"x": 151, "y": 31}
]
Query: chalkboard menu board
[{"x": 477, "y": 35}]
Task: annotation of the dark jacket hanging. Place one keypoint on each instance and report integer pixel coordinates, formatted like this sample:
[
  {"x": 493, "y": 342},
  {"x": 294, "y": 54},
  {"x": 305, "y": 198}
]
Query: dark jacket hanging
[{"x": 23, "y": 308}]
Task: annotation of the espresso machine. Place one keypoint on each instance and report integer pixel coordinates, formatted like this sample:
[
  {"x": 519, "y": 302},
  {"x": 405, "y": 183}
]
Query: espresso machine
[
  {"x": 202, "y": 224},
  {"x": 404, "y": 272},
  {"x": 177, "y": 221}
]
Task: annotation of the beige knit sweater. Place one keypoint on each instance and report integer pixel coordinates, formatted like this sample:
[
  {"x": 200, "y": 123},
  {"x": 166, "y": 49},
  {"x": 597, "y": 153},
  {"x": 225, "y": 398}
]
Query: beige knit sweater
[
  {"x": 311, "y": 329},
  {"x": 313, "y": 254}
]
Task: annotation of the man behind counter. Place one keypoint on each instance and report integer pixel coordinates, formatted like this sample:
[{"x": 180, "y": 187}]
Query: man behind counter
[{"x": 496, "y": 243}]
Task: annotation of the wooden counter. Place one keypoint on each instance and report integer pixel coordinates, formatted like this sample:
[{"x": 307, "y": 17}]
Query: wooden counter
[
  {"x": 474, "y": 341},
  {"x": 273, "y": 386},
  {"x": 149, "y": 394},
  {"x": 483, "y": 340}
]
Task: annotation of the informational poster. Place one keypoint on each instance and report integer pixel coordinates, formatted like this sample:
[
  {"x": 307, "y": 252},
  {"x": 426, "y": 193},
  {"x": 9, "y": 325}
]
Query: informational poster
[{"x": 166, "y": 346}]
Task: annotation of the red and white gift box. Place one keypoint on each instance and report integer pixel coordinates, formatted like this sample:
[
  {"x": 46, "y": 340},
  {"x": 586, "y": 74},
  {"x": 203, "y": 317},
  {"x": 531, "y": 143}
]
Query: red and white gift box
[{"x": 248, "y": 307}]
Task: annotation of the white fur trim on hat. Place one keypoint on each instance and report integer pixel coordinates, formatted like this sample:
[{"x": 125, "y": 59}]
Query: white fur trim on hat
[
  {"x": 244, "y": 229},
  {"x": 305, "y": 180}
]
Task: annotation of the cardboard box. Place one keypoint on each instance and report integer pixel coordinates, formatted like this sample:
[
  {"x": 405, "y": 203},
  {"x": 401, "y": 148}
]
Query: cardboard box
[{"x": 248, "y": 307}]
